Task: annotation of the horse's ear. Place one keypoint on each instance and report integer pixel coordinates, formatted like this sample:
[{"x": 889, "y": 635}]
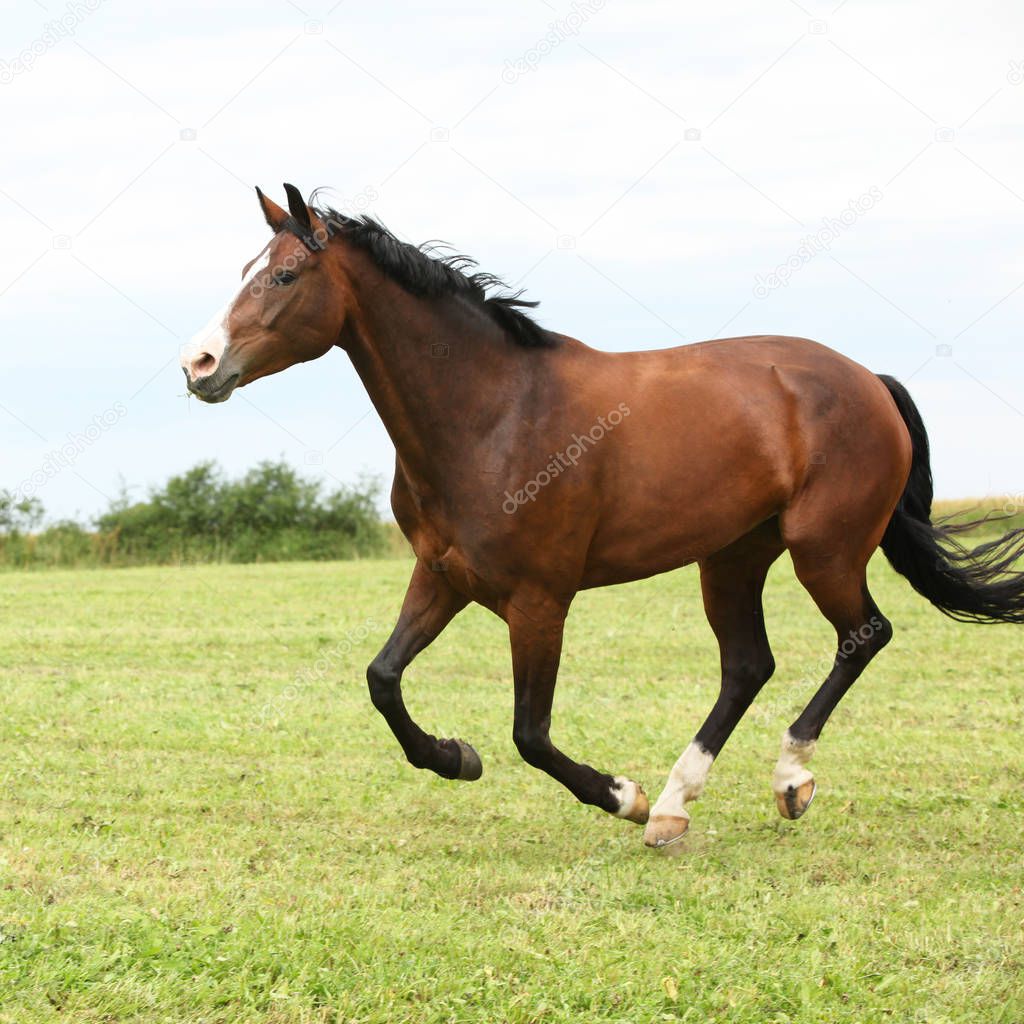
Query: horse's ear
[
  {"x": 297, "y": 206},
  {"x": 274, "y": 214}
]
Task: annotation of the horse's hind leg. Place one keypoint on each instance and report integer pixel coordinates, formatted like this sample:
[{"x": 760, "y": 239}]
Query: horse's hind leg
[
  {"x": 832, "y": 527},
  {"x": 731, "y": 581},
  {"x": 430, "y": 604},
  {"x": 837, "y": 582}
]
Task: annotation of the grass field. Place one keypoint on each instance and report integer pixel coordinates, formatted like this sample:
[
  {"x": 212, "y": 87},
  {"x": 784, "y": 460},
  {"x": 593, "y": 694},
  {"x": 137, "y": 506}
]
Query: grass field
[{"x": 202, "y": 818}]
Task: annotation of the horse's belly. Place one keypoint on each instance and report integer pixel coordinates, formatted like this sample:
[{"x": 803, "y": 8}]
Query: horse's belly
[
  {"x": 681, "y": 515},
  {"x": 624, "y": 556}
]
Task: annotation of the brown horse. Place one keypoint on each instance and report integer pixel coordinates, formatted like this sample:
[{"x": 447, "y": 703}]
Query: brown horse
[{"x": 530, "y": 467}]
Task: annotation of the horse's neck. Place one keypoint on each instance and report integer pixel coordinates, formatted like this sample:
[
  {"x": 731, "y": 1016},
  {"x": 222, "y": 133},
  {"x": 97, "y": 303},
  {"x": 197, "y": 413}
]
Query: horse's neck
[{"x": 440, "y": 375}]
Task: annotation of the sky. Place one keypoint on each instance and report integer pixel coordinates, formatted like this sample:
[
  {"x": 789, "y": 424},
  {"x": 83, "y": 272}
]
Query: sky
[{"x": 644, "y": 169}]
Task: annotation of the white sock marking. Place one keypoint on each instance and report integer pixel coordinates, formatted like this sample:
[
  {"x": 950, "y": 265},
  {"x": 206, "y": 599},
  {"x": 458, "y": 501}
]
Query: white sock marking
[
  {"x": 685, "y": 782},
  {"x": 627, "y": 791},
  {"x": 790, "y": 770}
]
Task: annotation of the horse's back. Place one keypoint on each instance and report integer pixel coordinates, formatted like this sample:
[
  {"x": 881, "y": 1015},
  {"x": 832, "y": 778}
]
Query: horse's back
[{"x": 725, "y": 434}]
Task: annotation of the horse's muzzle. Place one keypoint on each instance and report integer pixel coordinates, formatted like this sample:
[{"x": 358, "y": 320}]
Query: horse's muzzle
[{"x": 217, "y": 387}]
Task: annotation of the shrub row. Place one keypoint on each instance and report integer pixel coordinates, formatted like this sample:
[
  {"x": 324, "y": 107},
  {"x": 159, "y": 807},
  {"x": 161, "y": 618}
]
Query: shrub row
[{"x": 269, "y": 514}]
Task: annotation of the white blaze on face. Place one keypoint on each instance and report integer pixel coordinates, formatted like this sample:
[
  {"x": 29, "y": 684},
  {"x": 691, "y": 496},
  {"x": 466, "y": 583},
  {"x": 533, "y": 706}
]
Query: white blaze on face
[
  {"x": 685, "y": 782},
  {"x": 214, "y": 338},
  {"x": 791, "y": 768},
  {"x": 211, "y": 340}
]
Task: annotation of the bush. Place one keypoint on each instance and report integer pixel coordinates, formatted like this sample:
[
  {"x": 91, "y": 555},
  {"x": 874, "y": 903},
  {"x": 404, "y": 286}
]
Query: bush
[
  {"x": 19, "y": 515},
  {"x": 65, "y": 543},
  {"x": 269, "y": 514}
]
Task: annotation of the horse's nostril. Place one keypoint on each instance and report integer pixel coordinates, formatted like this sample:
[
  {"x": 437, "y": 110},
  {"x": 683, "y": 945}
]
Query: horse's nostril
[{"x": 203, "y": 365}]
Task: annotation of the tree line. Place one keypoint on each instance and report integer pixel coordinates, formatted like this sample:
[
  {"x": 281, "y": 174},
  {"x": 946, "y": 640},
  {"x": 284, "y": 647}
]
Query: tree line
[{"x": 269, "y": 514}]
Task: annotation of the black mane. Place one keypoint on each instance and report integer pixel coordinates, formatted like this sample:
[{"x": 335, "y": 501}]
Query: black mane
[{"x": 425, "y": 271}]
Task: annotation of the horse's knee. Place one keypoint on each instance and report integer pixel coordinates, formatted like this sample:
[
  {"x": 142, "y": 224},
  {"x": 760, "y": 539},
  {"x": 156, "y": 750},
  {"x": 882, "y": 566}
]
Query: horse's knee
[
  {"x": 384, "y": 682},
  {"x": 532, "y": 743},
  {"x": 748, "y": 675}
]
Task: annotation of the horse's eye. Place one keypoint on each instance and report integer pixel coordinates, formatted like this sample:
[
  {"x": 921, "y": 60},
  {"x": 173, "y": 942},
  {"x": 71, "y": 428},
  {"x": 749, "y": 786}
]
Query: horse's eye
[{"x": 285, "y": 277}]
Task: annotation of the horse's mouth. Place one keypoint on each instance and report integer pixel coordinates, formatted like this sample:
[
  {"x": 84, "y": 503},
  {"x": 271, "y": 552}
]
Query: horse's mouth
[{"x": 213, "y": 390}]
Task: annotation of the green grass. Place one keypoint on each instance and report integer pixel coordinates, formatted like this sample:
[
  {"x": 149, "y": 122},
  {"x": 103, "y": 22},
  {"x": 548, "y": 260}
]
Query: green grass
[{"x": 203, "y": 819}]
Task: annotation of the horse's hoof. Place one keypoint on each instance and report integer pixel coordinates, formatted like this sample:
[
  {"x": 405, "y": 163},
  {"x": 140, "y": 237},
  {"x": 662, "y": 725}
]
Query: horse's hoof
[
  {"x": 796, "y": 799},
  {"x": 662, "y": 830},
  {"x": 641, "y": 809},
  {"x": 470, "y": 765}
]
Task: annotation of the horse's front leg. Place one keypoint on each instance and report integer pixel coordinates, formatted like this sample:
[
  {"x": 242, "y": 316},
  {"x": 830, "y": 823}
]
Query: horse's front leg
[
  {"x": 535, "y": 630},
  {"x": 430, "y": 604}
]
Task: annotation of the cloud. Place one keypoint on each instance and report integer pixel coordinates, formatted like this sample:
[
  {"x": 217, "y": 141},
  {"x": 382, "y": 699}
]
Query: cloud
[{"x": 637, "y": 182}]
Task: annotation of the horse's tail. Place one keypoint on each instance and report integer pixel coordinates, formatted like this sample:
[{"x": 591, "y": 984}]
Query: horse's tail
[{"x": 969, "y": 584}]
